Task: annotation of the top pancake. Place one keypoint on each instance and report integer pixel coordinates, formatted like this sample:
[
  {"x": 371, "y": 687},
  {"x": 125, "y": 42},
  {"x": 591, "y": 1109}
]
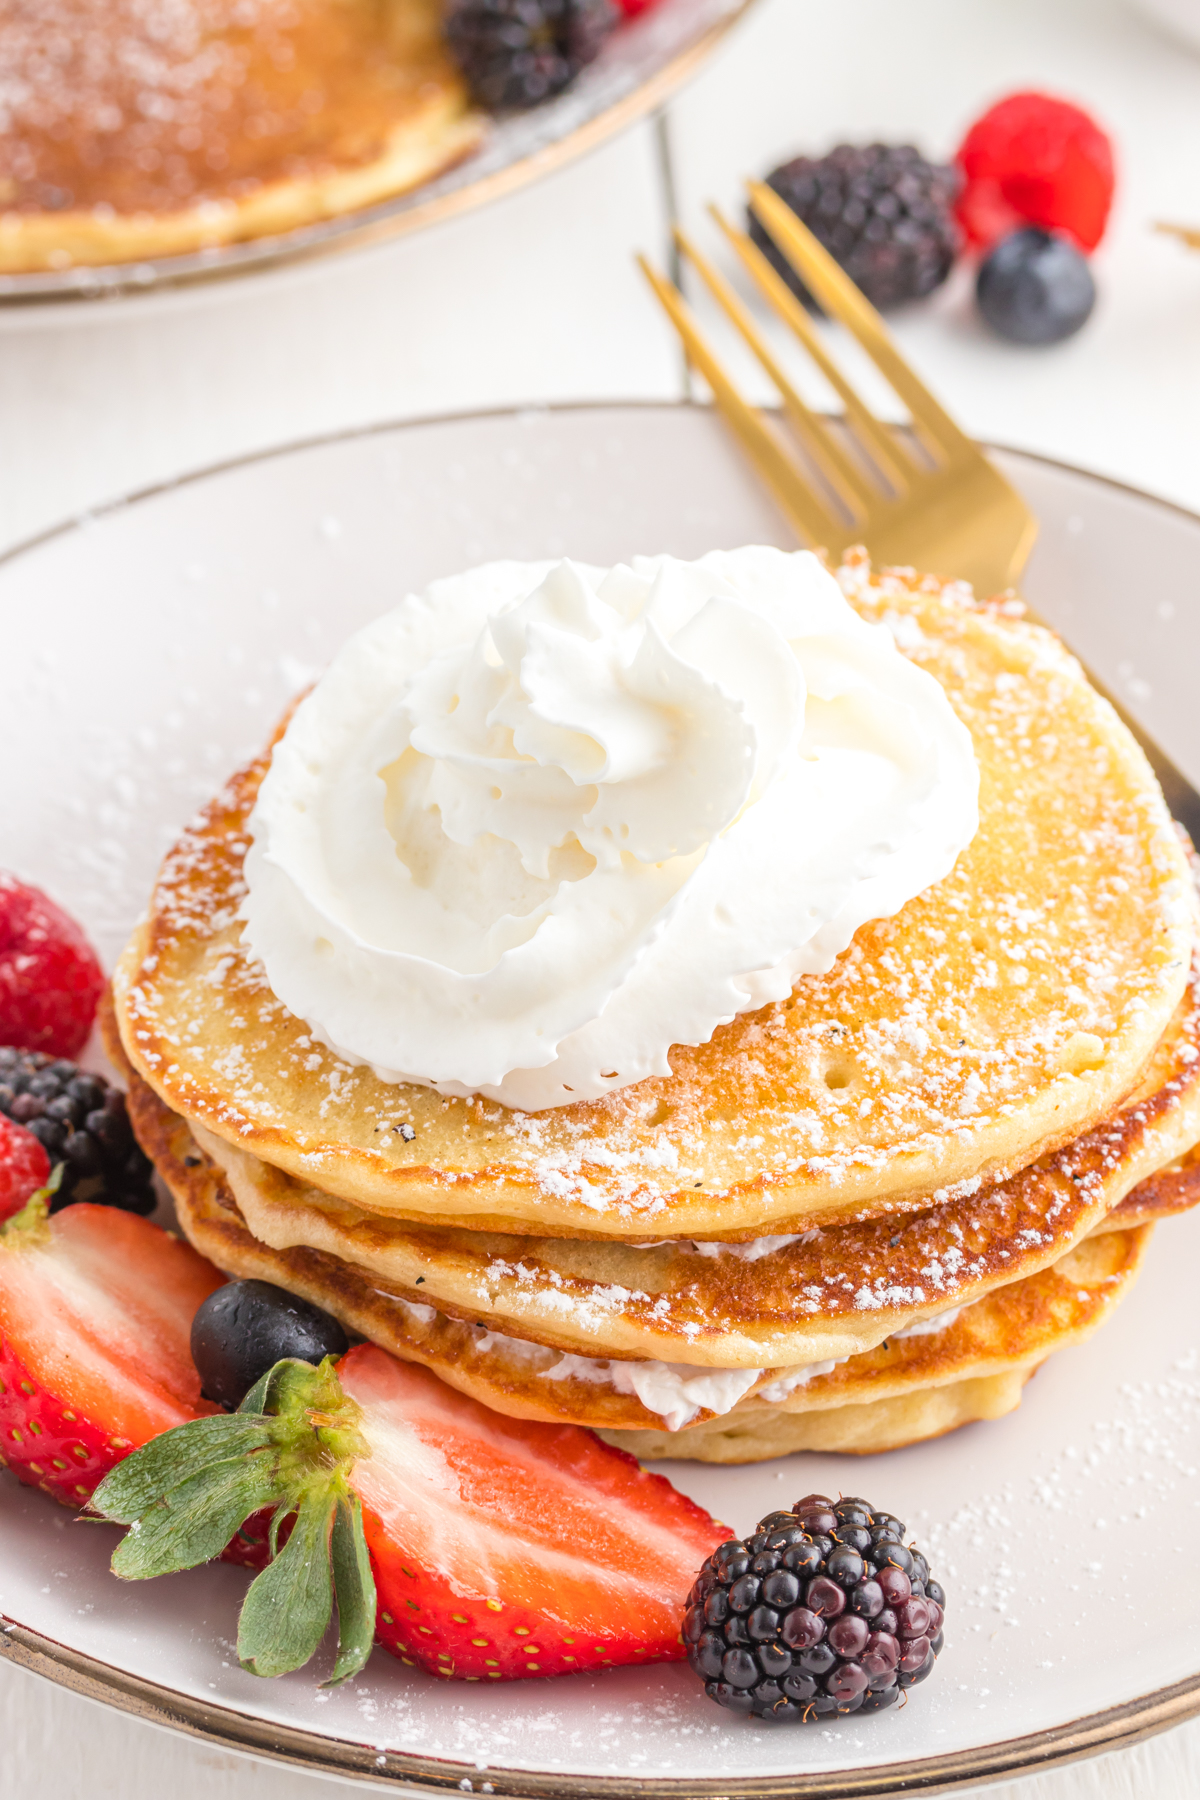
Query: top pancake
[
  {"x": 993, "y": 1019},
  {"x": 133, "y": 131}
]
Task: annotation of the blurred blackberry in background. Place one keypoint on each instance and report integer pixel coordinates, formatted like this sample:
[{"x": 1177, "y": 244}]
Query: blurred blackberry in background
[
  {"x": 822, "y": 1611},
  {"x": 883, "y": 213},
  {"x": 517, "y": 53},
  {"x": 83, "y": 1124}
]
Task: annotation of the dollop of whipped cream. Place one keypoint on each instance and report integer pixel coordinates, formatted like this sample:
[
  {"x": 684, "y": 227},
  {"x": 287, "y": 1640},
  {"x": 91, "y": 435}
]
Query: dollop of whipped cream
[{"x": 544, "y": 821}]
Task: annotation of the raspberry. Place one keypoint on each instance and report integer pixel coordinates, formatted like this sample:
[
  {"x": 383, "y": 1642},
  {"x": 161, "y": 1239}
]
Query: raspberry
[
  {"x": 50, "y": 980},
  {"x": 822, "y": 1611},
  {"x": 1034, "y": 160},
  {"x": 24, "y": 1167}
]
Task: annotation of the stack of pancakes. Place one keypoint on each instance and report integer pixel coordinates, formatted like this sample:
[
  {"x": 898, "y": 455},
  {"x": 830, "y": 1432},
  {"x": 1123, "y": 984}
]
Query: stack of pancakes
[{"x": 851, "y": 1220}]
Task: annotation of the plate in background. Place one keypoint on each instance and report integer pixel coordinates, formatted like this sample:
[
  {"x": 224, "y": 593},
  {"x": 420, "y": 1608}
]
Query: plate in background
[
  {"x": 151, "y": 650},
  {"x": 641, "y": 65}
]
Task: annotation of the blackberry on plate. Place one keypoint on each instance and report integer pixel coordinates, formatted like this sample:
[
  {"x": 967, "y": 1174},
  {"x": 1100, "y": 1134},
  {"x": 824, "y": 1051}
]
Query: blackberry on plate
[
  {"x": 82, "y": 1123},
  {"x": 797, "y": 1622},
  {"x": 882, "y": 212},
  {"x": 517, "y": 53}
]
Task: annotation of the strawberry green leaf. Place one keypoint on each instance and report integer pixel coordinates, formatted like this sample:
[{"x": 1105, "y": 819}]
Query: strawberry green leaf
[
  {"x": 354, "y": 1586},
  {"x": 261, "y": 1397},
  {"x": 194, "y": 1522},
  {"x": 288, "y": 1607},
  {"x": 288, "y": 1448},
  {"x": 174, "y": 1457}
]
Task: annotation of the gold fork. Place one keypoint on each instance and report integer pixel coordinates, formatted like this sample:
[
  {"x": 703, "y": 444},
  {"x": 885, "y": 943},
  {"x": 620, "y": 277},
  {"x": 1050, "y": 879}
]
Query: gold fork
[
  {"x": 927, "y": 499},
  {"x": 949, "y": 513}
]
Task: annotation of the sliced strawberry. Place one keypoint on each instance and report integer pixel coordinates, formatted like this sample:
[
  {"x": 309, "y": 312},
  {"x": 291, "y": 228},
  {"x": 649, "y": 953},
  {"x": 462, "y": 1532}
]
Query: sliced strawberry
[
  {"x": 24, "y": 1167},
  {"x": 479, "y": 1546},
  {"x": 96, "y": 1309},
  {"x": 505, "y": 1547}
]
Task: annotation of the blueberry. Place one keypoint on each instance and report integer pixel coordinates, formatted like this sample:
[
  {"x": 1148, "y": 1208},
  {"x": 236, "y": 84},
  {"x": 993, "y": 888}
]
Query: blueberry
[
  {"x": 246, "y": 1327},
  {"x": 1035, "y": 287}
]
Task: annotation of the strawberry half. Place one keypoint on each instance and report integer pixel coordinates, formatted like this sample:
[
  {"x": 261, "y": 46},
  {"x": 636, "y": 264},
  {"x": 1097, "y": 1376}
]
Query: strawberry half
[
  {"x": 96, "y": 1309},
  {"x": 478, "y": 1546},
  {"x": 506, "y": 1547}
]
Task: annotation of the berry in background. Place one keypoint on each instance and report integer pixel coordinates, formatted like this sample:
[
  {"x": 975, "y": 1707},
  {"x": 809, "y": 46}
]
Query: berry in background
[
  {"x": 50, "y": 980},
  {"x": 822, "y": 1611},
  {"x": 517, "y": 53},
  {"x": 1035, "y": 160},
  {"x": 80, "y": 1122},
  {"x": 1035, "y": 287},
  {"x": 881, "y": 210}
]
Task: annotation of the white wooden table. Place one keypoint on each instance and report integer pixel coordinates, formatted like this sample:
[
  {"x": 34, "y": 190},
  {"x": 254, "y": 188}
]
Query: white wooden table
[{"x": 536, "y": 300}]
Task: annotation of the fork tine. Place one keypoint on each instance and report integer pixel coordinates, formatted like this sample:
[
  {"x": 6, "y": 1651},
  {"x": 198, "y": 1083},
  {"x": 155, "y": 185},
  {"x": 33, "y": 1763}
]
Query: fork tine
[
  {"x": 847, "y": 482},
  {"x": 1187, "y": 234},
  {"x": 843, "y": 301},
  {"x": 760, "y": 444},
  {"x": 888, "y": 455}
]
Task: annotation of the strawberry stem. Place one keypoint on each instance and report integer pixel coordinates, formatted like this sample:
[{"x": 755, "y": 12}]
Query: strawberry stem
[
  {"x": 26, "y": 1229},
  {"x": 289, "y": 1447}
]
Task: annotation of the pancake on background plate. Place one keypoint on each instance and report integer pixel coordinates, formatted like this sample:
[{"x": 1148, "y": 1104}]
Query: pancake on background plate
[{"x": 131, "y": 131}]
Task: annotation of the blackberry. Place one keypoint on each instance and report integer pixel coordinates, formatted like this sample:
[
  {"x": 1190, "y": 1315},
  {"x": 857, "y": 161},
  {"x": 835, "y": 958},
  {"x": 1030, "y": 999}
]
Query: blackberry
[
  {"x": 517, "y": 53},
  {"x": 82, "y": 1123},
  {"x": 882, "y": 212},
  {"x": 778, "y": 1626}
]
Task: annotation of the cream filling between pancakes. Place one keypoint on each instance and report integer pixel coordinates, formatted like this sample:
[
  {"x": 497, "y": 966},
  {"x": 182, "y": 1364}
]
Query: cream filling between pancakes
[{"x": 675, "y": 1391}]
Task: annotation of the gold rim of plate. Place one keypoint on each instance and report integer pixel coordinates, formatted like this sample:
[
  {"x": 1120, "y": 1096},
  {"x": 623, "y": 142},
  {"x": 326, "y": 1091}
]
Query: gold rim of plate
[
  {"x": 431, "y": 203},
  {"x": 1117, "y": 1728},
  {"x": 1094, "y": 1734}
]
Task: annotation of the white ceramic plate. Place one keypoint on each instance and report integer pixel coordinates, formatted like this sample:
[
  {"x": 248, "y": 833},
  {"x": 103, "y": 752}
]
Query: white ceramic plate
[
  {"x": 149, "y": 651},
  {"x": 643, "y": 62}
]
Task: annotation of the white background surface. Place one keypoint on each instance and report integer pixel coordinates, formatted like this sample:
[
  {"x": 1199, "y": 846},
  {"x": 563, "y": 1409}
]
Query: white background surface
[{"x": 537, "y": 300}]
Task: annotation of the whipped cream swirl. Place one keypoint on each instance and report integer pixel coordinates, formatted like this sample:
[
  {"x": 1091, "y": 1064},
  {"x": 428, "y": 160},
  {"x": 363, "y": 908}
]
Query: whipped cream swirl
[{"x": 542, "y": 822}]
